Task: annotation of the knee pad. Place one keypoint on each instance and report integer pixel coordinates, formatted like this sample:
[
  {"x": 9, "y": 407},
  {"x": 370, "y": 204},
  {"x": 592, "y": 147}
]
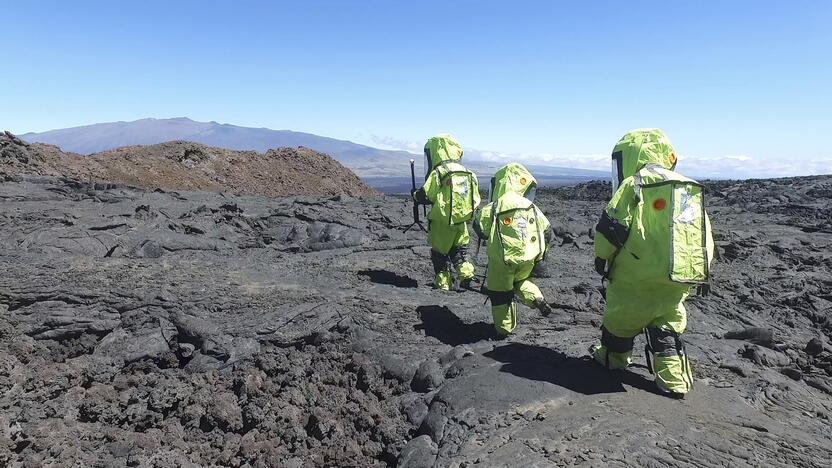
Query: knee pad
[
  {"x": 458, "y": 254},
  {"x": 616, "y": 344},
  {"x": 662, "y": 343},
  {"x": 499, "y": 298},
  {"x": 440, "y": 262}
]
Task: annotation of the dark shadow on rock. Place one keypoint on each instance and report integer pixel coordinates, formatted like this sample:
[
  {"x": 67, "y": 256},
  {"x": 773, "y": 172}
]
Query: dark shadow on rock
[
  {"x": 388, "y": 277},
  {"x": 440, "y": 323},
  {"x": 581, "y": 375}
]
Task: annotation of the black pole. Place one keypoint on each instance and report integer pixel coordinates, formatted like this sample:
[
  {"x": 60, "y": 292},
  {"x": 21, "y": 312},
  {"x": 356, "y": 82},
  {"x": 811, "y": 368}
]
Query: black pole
[
  {"x": 424, "y": 207},
  {"x": 413, "y": 185},
  {"x": 416, "y": 220}
]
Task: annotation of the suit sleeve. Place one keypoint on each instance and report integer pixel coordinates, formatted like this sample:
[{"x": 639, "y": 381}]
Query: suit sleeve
[
  {"x": 613, "y": 227},
  {"x": 427, "y": 194},
  {"x": 482, "y": 222},
  {"x": 432, "y": 186}
]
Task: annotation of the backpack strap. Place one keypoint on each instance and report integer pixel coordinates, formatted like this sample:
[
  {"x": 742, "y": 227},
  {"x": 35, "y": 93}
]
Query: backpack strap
[
  {"x": 638, "y": 180},
  {"x": 540, "y": 234},
  {"x": 637, "y": 183}
]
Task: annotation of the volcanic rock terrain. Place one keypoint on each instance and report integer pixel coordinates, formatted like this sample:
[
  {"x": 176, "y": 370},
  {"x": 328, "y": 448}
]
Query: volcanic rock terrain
[{"x": 162, "y": 328}]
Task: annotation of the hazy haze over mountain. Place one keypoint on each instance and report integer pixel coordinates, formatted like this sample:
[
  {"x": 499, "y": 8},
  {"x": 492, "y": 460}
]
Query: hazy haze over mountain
[
  {"x": 366, "y": 161},
  {"x": 88, "y": 139}
]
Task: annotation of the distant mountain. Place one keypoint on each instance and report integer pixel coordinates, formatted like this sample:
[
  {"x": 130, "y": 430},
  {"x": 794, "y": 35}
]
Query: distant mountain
[
  {"x": 372, "y": 164},
  {"x": 88, "y": 139}
]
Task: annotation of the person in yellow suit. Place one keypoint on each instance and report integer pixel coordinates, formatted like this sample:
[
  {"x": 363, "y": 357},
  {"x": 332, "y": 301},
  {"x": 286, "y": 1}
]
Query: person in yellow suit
[
  {"x": 517, "y": 234},
  {"x": 653, "y": 242},
  {"x": 454, "y": 193}
]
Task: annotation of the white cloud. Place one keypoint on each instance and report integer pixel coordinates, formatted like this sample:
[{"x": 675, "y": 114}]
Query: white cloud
[
  {"x": 727, "y": 166},
  {"x": 577, "y": 161},
  {"x": 724, "y": 166},
  {"x": 397, "y": 144},
  {"x": 743, "y": 166}
]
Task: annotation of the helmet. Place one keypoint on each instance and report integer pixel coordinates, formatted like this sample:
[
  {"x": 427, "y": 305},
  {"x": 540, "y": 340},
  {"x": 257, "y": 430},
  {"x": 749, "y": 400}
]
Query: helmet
[
  {"x": 513, "y": 177},
  {"x": 440, "y": 148},
  {"x": 638, "y": 148}
]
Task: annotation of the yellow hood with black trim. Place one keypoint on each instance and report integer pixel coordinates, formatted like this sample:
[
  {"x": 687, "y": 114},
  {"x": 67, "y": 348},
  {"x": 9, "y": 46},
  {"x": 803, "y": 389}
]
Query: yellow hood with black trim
[
  {"x": 513, "y": 177},
  {"x": 440, "y": 148},
  {"x": 638, "y": 148}
]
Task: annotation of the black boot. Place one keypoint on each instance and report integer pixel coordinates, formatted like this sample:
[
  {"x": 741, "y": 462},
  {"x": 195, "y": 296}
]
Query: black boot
[{"x": 543, "y": 306}]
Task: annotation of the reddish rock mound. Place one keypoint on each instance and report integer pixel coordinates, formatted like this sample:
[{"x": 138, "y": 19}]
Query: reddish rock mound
[{"x": 181, "y": 165}]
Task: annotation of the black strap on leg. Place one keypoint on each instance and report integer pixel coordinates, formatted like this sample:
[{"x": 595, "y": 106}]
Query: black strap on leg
[
  {"x": 662, "y": 342},
  {"x": 440, "y": 262},
  {"x": 497, "y": 297},
  {"x": 458, "y": 254},
  {"x": 614, "y": 343},
  {"x": 648, "y": 351}
]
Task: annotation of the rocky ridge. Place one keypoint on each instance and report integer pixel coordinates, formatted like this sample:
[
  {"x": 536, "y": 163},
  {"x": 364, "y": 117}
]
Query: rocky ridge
[{"x": 181, "y": 165}]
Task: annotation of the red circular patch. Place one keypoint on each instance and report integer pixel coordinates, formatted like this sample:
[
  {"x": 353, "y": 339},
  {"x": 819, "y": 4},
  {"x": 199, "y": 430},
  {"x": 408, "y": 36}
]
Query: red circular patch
[
  {"x": 506, "y": 221},
  {"x": 659, "y": 204}
]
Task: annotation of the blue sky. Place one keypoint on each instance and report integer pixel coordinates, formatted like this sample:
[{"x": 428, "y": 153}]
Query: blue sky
[{"x": 742, "y": 87}]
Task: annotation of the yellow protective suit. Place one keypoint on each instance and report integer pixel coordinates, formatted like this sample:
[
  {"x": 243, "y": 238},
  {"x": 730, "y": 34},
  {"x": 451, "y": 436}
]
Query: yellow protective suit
[
  {"x": 517, "y": 235},
  {"x": 654, "y": 243},
  {"x": 453, "y": 192}
]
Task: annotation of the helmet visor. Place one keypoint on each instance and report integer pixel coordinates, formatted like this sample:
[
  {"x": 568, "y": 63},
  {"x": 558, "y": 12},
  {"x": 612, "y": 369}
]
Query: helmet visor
[
  {"x": 617, "y": 170},
  {"x": 531, "y": 193}
]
